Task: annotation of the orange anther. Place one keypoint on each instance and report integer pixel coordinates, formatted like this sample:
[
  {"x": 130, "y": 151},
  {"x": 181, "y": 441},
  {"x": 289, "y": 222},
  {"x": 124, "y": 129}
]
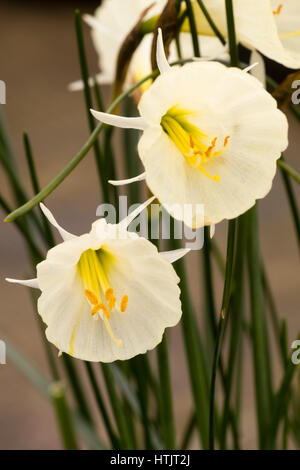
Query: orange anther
[
  {"x": 91, "y": 296},
  {"x": 124, "y": 303},
  {"x": 278, "y": 11},
  {"x": 96, "y": 309},
  {"x": 212, "y": 146},
  {"x": 226, "y": 140},
  {"x": 103, "y": 307}
]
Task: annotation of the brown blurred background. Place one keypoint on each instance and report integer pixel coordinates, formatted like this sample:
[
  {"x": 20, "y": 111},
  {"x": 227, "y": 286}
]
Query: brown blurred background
[{"x": 38, "y": 58}]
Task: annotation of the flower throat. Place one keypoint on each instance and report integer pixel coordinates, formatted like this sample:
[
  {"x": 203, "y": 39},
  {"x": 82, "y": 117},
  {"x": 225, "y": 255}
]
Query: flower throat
[
  {"x": 190, "y": 140},
  {"x": 99, "y": 294}
]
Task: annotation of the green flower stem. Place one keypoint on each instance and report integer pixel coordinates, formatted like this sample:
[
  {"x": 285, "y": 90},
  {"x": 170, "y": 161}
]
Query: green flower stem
[
  {"x": 76, "y": 387},
  {"x": 36, "y": 187},
  {"x": 211, "y": 23},
  {"x": 259, "y": 334},
  {"x": 133, "y": 163},
  {"x": 8, "y": 162},
  {"x": 88, "y": 99},
  {"x": 109, "y": 158},
  {"x": 188, "y": 432},
  {"x": 140, "y": 370},
  {"x": 98, "y": 95},
  {"x": 292, "y": 201},
  {"x": 208, "y": 282},
  {"x": 130, "y": 395},
  {"x": 57, "y": 393},
  {"x": 233, "y": 49},
  {"x": 282, "y": 399},
  {"x": 289, "y": 170},
  {"x": 277, "y": 327},
  {"x": 82, "y": 152},
  {"x": 236, "y": 322},
  {"x": 218, "y": 257},
  {"x": 117, "y": 407},
  {"x": 166, "y": 409},
  {"x": 122, "y": 375},
  {"x": 195, "y": 356},
  {"x": 24, "y": 230},
  {"x": 47, "y": 346},
  {"x": 101, "y": 404},
  {"x": 221, "y": 326},
  {"x": 191, "y": 17}
]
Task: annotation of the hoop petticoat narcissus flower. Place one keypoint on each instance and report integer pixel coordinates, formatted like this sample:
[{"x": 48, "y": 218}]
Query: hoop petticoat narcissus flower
[
  {"x": 211, "y": 136},
  {"x": 270, "y": 26},
  {"x": 107, "y": 294}
]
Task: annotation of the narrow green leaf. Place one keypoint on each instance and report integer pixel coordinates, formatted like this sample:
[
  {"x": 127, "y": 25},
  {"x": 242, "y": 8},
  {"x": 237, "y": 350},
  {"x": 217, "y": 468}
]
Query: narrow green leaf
[
  {"x": 191, "y": 17},
  {"x": 166, "y": 408},
  {"x": 76, "y": 386},
  {"x": 221, "y": 326},
  {"x": 117, "y": 408},
  {"x": 101, "y": 404},
  {"x": 233, "y": 49},
  {"x": 261, "y": 354},
  {"x": 57, "y": 393}
]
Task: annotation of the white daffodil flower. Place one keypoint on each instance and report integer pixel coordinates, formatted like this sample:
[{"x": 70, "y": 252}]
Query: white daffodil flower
[
  {"x": 110, "y": 25},
  {"x": 107, "y": 294},
  {"x": 270, "y": 26},
  {"x": 211, "y": 136}
]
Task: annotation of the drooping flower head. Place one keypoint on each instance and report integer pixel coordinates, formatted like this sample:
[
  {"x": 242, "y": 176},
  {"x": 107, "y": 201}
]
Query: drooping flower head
[
  {"x": 211, "y": 136},
  {"x": 270, "y": 26},
  {"x": 107, "y": 294},
  {"x": 110, "y": 25}
]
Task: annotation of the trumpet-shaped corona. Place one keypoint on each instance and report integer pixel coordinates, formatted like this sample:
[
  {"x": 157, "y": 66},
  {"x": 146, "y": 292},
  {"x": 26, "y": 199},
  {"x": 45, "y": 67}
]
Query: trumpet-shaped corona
[
  {"x": 107, "y": 294},
  {"x": 211, "y": 136}
]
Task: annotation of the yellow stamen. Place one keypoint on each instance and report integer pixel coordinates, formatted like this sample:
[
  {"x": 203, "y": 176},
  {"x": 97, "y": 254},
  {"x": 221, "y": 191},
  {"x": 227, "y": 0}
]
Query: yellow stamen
[
  {"x": 215, "y": 178},
  {"x": 92, "y": 268},
  {"x": 289, "y": 35},
  {"x": 195, "y": 160},
  {"x": 124, "y": 303},
  {"x": 110, "y": 332},
  {"x": 278, "y": 11},
  {"x": 190, "y": 140}
]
